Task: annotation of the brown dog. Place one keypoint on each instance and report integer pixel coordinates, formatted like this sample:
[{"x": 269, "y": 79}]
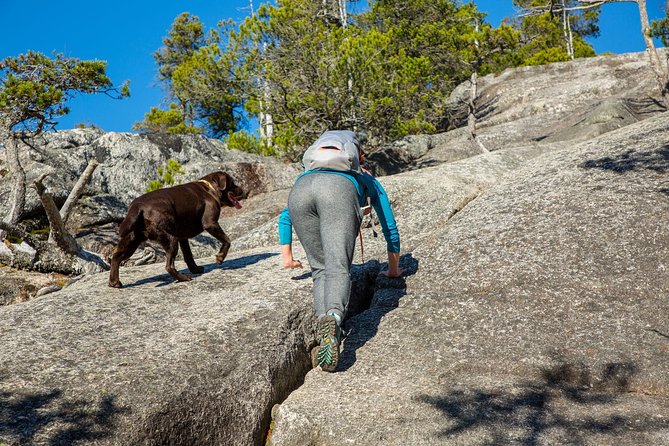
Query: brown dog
[{"x": 171, "y": 216}]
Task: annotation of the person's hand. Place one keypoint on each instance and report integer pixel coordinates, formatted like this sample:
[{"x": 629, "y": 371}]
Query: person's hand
[
  {"x": 292, "y": 264},
  {"x": 289, "y": 261},
  {"x": 392, "y": 274}
]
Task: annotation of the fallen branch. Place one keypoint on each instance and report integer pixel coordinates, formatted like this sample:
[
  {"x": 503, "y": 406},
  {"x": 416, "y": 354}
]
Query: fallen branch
[
  {"x": 58, "y": 234},
  {"x": 77, "y": 190}
]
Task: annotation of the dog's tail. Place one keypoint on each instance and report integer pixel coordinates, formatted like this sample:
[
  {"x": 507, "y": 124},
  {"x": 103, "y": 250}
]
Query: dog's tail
[{"x": 132, "y": 222}]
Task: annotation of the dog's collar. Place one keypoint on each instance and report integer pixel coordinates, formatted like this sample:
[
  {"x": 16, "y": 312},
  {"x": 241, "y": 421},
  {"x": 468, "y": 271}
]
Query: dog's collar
[
  {"x": 214, "y": 192},
  {"x": 208, "y": 184}
]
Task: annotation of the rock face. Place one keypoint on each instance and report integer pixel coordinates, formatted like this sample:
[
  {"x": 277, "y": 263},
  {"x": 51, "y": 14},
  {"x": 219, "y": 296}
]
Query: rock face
[
  {"x": 536, "y": 315},
  {"x": 128, "y": 162},
  {"x": 558, "y": 103},
  {"x": 533, "y": 310},
  {"x": 157, "y": 362}
]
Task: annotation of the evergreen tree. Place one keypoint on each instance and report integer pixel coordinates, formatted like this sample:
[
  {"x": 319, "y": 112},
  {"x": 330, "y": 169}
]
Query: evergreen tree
[
  {"x": 387, "y": 71},
  {"x": 196, "y": 72},
  {"x": 555, "y": 30},
  {"x": 34, "y": 90}
]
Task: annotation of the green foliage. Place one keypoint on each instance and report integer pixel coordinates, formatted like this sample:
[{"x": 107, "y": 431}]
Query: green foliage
[
  {"x": 85, "y": 125},
  {"x": 165, "y": 121},
  {"x": 543, "y": 37},
  {"x": 660, "y": 29},
  {"x": 167, "y": 175},
  {"x": 246, "y": 142},
  {"x": 389, "y": 71},
  {"x": 546, "y": 56},
  {"x": 197, "y": 74},
  {"x": 34, "y": 88},
  {"x": 184, "y": 39}
]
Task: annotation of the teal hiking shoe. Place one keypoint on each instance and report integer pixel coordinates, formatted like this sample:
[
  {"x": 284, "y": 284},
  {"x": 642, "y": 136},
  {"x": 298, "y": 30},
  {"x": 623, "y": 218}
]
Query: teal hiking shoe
[{"x": 326, "y": 354}]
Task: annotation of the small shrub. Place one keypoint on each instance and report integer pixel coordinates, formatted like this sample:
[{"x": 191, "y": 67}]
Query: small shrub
[
  {"x": 246, "y": 142},
  {"x": 167, "y": 175}
]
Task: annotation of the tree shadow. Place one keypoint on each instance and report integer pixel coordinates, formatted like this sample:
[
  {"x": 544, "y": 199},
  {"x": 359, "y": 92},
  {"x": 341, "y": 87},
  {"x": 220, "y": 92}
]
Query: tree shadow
[
  {"x": 232, "y": 264},
  {"x": 538, "y": 406},
  {"x": 380, "y": 296},
  {"x": 56, "y": 420},
  {"x": 656, "y": 160}
]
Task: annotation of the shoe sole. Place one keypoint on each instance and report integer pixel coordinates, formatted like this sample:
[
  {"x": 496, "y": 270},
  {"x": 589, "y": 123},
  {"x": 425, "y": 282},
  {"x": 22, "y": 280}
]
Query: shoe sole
[{"x": 327, "y": 330}]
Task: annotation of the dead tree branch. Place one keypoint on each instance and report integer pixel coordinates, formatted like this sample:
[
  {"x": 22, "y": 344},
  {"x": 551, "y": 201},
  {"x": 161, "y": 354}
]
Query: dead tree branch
[
  {"x": 58, "y": 234},
  {"x": 77, "y": 190}
]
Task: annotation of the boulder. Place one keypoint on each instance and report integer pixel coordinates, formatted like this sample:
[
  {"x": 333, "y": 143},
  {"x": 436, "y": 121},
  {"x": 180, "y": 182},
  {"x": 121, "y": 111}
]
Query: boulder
[{"x": 201, "y": 362}]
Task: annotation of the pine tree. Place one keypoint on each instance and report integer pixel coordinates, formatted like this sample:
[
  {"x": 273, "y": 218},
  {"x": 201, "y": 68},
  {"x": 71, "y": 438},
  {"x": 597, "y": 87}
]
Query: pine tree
[
  {"x": 34, "y": 90},
  {"x": 555, "y": 30}
]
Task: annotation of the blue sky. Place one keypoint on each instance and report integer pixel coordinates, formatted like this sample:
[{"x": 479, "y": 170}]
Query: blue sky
[{"x": 127, "y": 33}]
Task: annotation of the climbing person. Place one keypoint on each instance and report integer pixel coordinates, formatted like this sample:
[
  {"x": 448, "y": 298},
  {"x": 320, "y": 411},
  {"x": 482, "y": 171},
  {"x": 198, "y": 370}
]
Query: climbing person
[{"x": 324, "y": 207}]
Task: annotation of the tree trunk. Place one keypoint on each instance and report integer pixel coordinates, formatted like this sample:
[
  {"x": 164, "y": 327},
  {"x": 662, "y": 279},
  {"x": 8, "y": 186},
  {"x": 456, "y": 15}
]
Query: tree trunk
[
  {"x": 77, "y": 190},
  {"x": 471, "y": 118},
  {"x": 473, "y": 94},
  {"x": 18, "y": 174},
  {"x": 343, "y": 14},
  {"x": 58, "y": 233},
  {"x": 48, "y": 257},
  {"x": 568, "y": 36},
  {"x": 265, "y": 118},
  {"x": 656, "y": 65},
  {"x": 571, "y": 38}
]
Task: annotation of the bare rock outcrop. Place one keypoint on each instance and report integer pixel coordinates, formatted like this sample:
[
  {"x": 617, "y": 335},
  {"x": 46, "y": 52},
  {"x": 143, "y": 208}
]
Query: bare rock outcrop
[
  {"x": 129, "y": 161},
  {"x": 536, "y": 315},
  {"x": 533, "y": 311},
  {"x": 156, "y": 362},
  {"x": 202, "y": 362},
  {"x": 559, "y": 103}
]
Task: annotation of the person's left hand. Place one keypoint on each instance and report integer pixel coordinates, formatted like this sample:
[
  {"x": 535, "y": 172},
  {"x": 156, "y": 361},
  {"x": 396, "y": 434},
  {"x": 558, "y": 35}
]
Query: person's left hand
[{"x": 292, "y": 264}]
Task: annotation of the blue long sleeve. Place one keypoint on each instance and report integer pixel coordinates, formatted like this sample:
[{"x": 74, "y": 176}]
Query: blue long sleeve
[
  {"x": 285, "y": 228},
  {"x": 381, "y": 205}
]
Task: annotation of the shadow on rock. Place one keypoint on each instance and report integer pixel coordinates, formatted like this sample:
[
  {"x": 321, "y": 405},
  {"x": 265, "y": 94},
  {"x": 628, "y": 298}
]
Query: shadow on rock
[
  {"x": 526, "y": 415},
  {"x": 238, "y": 263},
  {"x": 53, "y": 420},
  {"x": 655, "y": 160},
  {"x": 383, "y": 295}
]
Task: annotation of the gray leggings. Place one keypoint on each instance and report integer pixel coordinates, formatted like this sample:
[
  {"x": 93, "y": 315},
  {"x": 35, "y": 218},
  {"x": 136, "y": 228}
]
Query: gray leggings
[{"x": 326, "y": 216}]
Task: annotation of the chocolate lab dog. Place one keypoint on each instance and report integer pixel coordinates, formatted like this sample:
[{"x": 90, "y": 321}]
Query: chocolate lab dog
[{"x": 171, "y": 216}]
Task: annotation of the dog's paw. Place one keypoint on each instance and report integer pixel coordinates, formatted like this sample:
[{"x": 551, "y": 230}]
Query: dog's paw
[
  {"x": 185, "y": 278},
  {"x": 116, "y": 284},
  {"x": 220, "y": 258}
]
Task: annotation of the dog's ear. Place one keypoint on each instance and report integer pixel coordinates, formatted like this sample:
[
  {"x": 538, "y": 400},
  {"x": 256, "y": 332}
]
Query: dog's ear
[{"x": 222, "y": 180}]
